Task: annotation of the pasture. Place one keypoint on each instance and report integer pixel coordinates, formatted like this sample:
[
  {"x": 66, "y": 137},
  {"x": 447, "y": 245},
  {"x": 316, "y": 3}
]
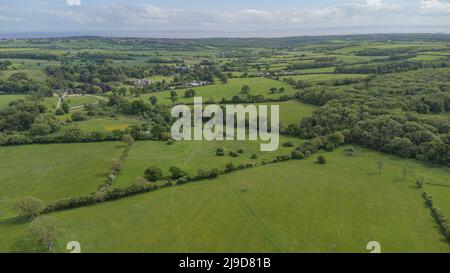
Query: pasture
[
  {"x": 106, "y": 124},
  {"x": 6, "y": 99},
  {"x": 298, "y": 206},
  {"x": 53, "y": 172},
  {"x": 192, "y": 156},
  {"x": 258, "y": 86}
]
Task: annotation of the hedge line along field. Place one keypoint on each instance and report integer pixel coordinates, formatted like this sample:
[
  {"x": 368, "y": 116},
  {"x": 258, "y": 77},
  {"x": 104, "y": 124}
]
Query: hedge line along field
[
  {"x": 53, "y": 172},
  {"x": 192, "y": 156},
  {"x": 258, "y": 86},
  {"x": 344, "y": 205},
  {"x": 314, "y": 78}
]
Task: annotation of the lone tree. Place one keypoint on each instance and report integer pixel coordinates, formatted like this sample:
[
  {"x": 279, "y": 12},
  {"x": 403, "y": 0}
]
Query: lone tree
[
  {"x": 245, "y": 89},
  {"x": 153, "y": 174},
  {"x": 177, "y": 172},
  {"x": 29, "y": 206},
  {"x": 153, "y": 100},
  {"x": 220, "y": 151},
  {"x": 43, "y": 228},
  {"x": 321, "y": 159},
  {"x": 65, "y": 107},
  {"x": 273, "y": 90},
  {"x": 190, "y": 93}
]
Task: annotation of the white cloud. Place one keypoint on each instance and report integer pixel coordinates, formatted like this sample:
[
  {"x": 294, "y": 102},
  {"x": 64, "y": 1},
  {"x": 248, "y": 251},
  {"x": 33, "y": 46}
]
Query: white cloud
[
  {"x": 435, "y": 5},
  {"x": 9, "y": 19},
  {"x": 374, "y": 3},
  {"x": 73, "y": 2},
  {"x": 132, "y": 16}
]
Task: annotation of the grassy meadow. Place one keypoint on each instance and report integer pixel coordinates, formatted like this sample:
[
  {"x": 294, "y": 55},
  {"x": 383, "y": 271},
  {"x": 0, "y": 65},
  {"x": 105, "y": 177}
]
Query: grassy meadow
[
  {"x": 298, "y": 206},
  {"x": 53, "y": 172}
]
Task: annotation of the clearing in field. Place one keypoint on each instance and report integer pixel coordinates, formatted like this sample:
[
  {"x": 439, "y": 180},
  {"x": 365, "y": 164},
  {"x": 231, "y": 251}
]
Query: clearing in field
[{"x": 6, "y": 99}]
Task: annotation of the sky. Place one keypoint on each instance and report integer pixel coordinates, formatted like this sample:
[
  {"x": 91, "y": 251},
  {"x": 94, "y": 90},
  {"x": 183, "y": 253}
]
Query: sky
[{"x": 248, "y": 17}]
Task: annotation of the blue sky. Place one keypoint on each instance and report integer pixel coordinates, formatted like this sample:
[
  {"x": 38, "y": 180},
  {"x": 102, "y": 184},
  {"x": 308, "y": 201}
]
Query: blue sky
[{"x": 250, "y": 16}]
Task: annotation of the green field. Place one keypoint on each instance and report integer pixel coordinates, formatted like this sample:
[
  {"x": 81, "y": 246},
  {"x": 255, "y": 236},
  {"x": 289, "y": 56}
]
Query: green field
[
  {"x": 297, "y": 206},
  {"x": 292, "y": 112},
  {"x": 6, "y": 99},
  {"x": 75, "y": 101},
  {"x": 53, "y": 172},
  {"x": 258, "y": 86},
  {"x": 106, "y": 124},
  {"x": 192, "y": 156}
]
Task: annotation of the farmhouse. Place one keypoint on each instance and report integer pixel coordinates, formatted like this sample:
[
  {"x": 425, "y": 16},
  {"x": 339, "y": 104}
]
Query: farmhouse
[
  {"x": 197, "y": 84},
  {"x": 142, "y": 82}
]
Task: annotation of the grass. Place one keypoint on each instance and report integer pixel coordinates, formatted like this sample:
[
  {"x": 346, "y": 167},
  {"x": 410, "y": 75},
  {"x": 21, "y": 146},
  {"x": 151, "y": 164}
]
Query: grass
[
  {"x": 292, "y": 112},
  {"x": 53, "y": 172},
  {"x": 297, "y": 206},
  {"x": 106, "y": 124},
  {"x": 258, "y": 86},
  {"x": 75, "y": 101},
  {"x": 35, "y": 74},
  {"x": 191, "y": 156},
  {"x": 6, "y": 99}
]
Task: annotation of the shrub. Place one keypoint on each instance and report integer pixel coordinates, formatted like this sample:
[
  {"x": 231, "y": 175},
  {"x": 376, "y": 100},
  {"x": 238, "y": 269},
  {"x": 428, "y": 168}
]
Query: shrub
[
  {"x": 190, "y": 93},
  {"x": 59, "y": 112},
  {"x": 230, "y": 167},
  {"x": 203, "y": 173},
  {"x": 321, "y": 159},
  {"x": 254, "y": 156},
  {"x": 43, "y": 228},
  {"x": 153, "y": 174},
  {"x": 288, "y": 144},
  {"x": 220, "y": 151},
  {"x": 116, "y": 166},
  {"x": 428, "y": 200},
  {"x": 77, "y": 116},
  {"x": 240, "y": 151},
  {"x": 350, "y": 151},
  {"x": 298, "y": 155},
  {"x": 419, "y": 182},
  {"x": 177, "y": 172},
  {"x": 234, "y": 154},
  {"x": 128, "y": 139},
  {"x": 29, "y": 207},
  {"x": 214, "y": 173}
]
